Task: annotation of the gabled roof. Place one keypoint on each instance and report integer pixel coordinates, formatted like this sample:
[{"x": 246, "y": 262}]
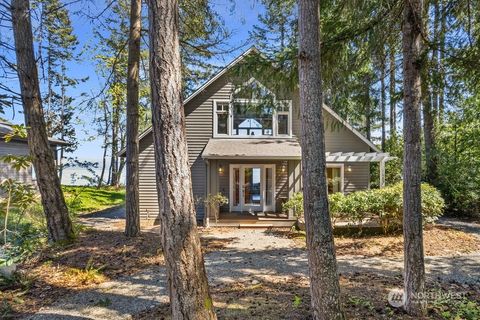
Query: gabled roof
[
  {"x": 228, "y": 67},
  {"x": 6, "y": 128}
]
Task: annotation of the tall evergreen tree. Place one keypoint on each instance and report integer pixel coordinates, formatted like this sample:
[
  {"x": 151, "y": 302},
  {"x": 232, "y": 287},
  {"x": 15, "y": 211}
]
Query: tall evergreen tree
[
  {"x": 414, "y": 274},
  {"x": 59, "y": 224},
  {"x": 188, "y": 286},
  {"x": 132, "y": 225},
  {"x": 58, "y": 46},
  {"x": 324, "y": 284}
]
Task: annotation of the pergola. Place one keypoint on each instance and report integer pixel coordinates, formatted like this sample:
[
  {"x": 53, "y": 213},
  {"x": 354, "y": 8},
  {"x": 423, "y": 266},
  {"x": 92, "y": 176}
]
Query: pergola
[{"x": 380, "y": 157}]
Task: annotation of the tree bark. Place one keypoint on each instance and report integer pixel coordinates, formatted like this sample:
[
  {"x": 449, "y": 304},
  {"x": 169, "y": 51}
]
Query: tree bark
[
  {"x": 383, "y": 97},
  {"x": 324, "y": 284},
  {"x": 430, "y": 99},
  {"x": 414, "y": 273},
  {"x": 188, "y": 286},
  {"x": 58, "y": 221},
  {"x": 132, "y": 225},
  {"x": 393, "y": 111}
]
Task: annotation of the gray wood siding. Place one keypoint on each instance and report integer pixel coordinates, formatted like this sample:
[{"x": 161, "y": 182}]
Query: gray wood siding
[
  {"x": 199, "y": 129},
  {"x": 358, "y": 178},
  {"x": 199, "y": 126},
  {"x": 147, "y": 184},
  {"x": 6, "y": 171}
]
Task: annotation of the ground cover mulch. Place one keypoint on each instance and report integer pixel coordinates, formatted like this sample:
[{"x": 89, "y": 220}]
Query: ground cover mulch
[
  {"x": 438, "y": 241},
  {"x": 364, "y": 296},
  {"x": 95, "y": 257}
]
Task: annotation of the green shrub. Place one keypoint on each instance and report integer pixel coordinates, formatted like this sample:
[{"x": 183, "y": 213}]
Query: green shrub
[
  {"x": 384, "y": 205},
  {"x": 295, "y": 203}
]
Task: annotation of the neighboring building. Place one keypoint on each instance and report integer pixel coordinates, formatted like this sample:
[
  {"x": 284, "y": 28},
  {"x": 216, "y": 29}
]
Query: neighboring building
[
  {"x": 19, "y": 147},
  {"x": 249, "y": 151}
]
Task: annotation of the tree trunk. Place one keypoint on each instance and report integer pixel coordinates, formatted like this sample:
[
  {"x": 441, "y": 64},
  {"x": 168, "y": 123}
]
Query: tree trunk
[
  {"x": 414, "y": 274},
  {"x": 324, "y": 284},
  {"x": 429, "y": 99},
  {"x": 393, "y": 111},
  {"x": 429, "y": 135},
  {"x": 188, "y": 284},
  {"x": 368, "y": 106},
  {"x": 441, "y": 82},
  {"x": 383, "y": 97},
  {"x": 58, "y": 222},
  {"x": 114, "y": 150}
]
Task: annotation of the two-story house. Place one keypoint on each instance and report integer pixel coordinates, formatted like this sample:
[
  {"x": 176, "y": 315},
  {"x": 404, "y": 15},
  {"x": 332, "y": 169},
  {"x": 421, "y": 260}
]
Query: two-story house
[{"x": 249, "y": 150}]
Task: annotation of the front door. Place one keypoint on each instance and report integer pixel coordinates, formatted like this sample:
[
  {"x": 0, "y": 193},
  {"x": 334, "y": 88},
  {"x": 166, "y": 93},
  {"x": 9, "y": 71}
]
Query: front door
[{"x": 252, "y": 187}]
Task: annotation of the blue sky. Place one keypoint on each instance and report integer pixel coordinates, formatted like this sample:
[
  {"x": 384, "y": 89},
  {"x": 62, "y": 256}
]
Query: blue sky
[{"x": 239, "y": 21}]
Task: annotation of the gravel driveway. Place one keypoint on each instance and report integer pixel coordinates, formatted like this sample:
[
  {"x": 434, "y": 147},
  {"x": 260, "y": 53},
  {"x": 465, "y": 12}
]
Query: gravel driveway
[{"x": 249, "y": 255}]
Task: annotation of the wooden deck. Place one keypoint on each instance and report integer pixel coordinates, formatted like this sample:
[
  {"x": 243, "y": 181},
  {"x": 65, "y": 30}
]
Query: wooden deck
[{"x": 252, "y": 220}]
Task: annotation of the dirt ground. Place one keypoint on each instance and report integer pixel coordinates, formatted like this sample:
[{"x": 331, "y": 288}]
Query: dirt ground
[
  {"x": 364, "y": 296},
  {"x": 102, "y": 255},
  {"x": 438, "y": 241}
]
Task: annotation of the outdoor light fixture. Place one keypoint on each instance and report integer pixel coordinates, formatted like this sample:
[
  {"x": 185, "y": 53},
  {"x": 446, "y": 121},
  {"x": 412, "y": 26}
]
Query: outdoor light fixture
[
  {"x": 220, "y": 169},
  {"x": 349, "y": 168},
  {"x": 284, "y": 168}
]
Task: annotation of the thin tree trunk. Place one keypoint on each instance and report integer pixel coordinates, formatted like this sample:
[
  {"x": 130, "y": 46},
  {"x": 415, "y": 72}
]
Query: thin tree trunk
[
  {"x": 393, "y": 111},
  {"x": 414, "y": 274},
  {"x": 114, "y": 150},
  {"x": 105, "y": 147},
  {"x": 429, "y": 135},
  {"x": 324, "y": 284},
  {"x": 441, "y": 82},
  {"x": 383, "y": 98},
  {"x": 188, "y": 285},
  {"x": 429, "y": 98},
  {"x": 58, "y": 221},
  {"x": 368, "y": 106}
]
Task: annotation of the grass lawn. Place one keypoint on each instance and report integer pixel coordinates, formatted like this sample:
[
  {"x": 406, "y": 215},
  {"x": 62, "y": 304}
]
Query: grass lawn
[{"x": 83, "y": 199}]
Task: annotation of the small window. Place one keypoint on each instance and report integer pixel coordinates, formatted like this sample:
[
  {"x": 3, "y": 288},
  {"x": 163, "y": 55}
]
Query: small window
[
  {"x": 283, "y": 120},
  {"x": 222, "y": 118},
  {"x": 334, "y": 179}
]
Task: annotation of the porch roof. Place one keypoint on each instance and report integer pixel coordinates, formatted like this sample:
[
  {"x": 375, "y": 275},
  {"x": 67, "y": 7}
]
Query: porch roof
[{"x": 284, "y": 149}]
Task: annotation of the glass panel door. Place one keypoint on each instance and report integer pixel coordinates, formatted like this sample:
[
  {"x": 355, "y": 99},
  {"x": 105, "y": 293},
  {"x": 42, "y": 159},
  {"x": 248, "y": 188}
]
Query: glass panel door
[
  {"x": 236, "y": 188},
  {"x": 252, "y": 196},
  {"x": 252, "y": 187}
]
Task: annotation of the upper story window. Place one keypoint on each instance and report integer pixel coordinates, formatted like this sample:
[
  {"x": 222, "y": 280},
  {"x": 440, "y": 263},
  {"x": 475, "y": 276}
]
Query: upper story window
[
  {"x": 252, "y": 111},
  {"x": 222, "y": 116},
  {"x": 252, "y": 119}
]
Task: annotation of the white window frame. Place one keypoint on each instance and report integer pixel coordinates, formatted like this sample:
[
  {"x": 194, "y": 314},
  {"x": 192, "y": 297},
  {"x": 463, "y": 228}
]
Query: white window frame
[
  {"x": 275, "y": 114},
  {"x": 215, "y": 118},
  {"x": 342, "y": 174}
]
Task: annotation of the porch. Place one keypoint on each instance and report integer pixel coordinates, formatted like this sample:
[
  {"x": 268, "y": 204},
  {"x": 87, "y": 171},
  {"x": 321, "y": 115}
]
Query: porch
[{"x": 252, "y": 220}]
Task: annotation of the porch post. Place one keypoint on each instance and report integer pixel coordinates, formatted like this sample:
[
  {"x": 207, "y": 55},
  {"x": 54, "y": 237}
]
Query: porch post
[
  {"x": 206, "y": 217},
  {"x": 291, "y": 183},
  {"x": 382, "y": 172}
]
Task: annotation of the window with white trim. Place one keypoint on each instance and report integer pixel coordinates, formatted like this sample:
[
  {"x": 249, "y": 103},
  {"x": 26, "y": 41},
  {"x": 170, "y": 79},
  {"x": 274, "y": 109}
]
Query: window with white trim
[
  {"x": 334, "y": 175},
  {"x": 283, "y": 120},
  {"x": 221, "y": 118}
]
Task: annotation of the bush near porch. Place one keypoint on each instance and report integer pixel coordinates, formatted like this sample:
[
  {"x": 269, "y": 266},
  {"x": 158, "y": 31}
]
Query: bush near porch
[{"x": 384, "y": 206}]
